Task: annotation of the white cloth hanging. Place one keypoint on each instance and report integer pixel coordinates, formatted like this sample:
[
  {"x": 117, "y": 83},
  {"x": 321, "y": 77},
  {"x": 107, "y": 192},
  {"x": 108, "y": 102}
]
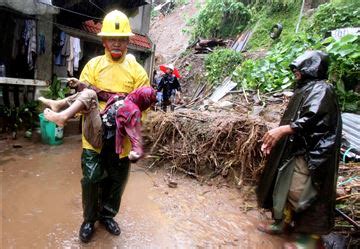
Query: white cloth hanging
[
  {"x": 77, "y": 51},
  {"x": 74, "y": 56},
  {"x": 70, "y": 58}
]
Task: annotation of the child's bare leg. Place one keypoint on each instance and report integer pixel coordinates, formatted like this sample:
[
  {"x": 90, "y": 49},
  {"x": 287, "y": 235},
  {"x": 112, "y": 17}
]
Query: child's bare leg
[
  {"x": 55, "y": 105},
  {"x": 60, "y": 118},
  {"x": 82, "y": 101}
]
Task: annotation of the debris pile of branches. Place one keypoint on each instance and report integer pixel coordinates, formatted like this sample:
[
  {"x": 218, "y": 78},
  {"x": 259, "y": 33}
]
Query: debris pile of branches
[
  {"x": 207, "y": 144},
  {"x": 348, "y": 196}
]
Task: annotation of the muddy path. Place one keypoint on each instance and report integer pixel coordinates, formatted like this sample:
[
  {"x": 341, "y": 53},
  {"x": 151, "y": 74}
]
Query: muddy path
[{"x": 41, "y": 206}]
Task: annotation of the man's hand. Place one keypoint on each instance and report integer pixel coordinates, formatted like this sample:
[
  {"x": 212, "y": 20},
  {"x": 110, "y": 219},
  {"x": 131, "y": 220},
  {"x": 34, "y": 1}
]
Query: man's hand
[
  {"x": 73, "y": 82},
  {"x": 134, "y": 156},
  {"x": 273, "y": 136}
]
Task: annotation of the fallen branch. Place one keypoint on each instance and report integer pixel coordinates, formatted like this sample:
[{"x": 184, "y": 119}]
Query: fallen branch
[{"x": 346, "y": 196}]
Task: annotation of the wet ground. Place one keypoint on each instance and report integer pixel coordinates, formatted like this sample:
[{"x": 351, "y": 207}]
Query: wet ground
[{"x": 41, "y": 206}]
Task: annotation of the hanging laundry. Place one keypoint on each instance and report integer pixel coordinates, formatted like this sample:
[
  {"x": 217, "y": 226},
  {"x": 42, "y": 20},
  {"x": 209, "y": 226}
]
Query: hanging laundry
[
  {"x": 65, "y": 51},
  {"x": 59, "y": 44},
  {"x": 70, "y": 58},
  {"x": 41, "y": 48},
  {"x": 29, "y": 36},
  {"x": 74, "y": 55},
  {"x": 77, "y": 52},
  {"x": 18, "y": 28}
]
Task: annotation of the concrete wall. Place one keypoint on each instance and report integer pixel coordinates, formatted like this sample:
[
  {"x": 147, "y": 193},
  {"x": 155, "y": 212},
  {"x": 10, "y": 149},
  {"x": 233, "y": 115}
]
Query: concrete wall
[
  {"x": 140, "y": 19},
  {"x": 44, "y": 62}
]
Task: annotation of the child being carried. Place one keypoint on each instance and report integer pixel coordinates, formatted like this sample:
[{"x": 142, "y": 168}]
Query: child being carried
[{"x": 121, "y": 116}]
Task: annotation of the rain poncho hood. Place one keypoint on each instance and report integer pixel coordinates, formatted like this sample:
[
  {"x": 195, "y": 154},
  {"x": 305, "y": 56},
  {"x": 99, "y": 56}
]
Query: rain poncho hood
[
  {"x": 312, "y": 65},
  {"x": 314, "y": 115}
]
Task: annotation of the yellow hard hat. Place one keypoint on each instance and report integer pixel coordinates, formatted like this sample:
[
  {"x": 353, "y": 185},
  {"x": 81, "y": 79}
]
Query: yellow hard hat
[{"x": 115, "y": 24}]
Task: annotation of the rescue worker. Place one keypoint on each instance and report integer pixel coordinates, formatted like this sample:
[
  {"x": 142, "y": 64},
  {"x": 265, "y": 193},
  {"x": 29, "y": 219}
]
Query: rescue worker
[
  {"x": 105, "y": 173},
  {"x": 169, "y": 86},
  {"x": 299, "y": 180}
]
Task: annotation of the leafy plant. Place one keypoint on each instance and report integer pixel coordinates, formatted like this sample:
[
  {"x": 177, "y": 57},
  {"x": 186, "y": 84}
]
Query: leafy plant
[
  {"x": 344, "y": 70},
  {"x": 349, "y": 100},
  {"x": 333, "y": 16},
  {"x": 220, "y": 64},
  {"x": 154, "y": 13},
  {"x": 25, "y": 116},
  {"x": 220, "y": 19},
  {"x": 56, "y": 90},
  {"x": 272, "y": 72},
  {"x": 266, "y": 17},
  {"x": 181, "y": 2}
]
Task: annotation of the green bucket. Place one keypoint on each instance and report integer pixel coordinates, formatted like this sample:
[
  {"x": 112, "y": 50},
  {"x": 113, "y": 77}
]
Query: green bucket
[{"x": 50, "y": 132}]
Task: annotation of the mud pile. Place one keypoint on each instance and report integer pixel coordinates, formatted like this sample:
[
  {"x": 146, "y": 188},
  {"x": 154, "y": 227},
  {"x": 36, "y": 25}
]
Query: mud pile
[
  {"x": 206, "y": 144},
  {"x": 192, "y": 70}
]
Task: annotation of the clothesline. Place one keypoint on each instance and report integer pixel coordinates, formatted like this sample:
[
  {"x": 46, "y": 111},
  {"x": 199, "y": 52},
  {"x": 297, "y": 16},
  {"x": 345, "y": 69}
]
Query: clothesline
[{"x": 71, "y": 11}]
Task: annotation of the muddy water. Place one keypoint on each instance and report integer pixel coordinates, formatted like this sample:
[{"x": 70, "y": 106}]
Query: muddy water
[{"x": 41, "y": 206}]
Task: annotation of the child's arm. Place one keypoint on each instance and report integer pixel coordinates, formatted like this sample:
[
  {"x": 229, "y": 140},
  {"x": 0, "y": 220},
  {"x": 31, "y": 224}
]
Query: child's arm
[
  {"x": 133, "y": 130},
  {"x": 101, "y": 94},
  {"x": 104, "y": 95}
]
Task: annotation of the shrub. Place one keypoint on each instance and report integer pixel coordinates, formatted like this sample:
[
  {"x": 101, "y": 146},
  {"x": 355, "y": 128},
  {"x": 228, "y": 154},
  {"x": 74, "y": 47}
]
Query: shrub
[
  {"x": 344, "y": 70},
  {"x": 272, "y": 72},
  {"x": 265, "y": 14},
  {"x": 16, "y": 118},
  {"x": 220, "y": 64},
  {"x": 221, "y": 19},
  {"x": 333, "y": 16}
]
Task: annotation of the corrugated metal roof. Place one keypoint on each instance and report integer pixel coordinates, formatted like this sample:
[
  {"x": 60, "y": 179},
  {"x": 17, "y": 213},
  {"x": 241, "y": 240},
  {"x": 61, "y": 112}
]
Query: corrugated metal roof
[
  {"x": 351, "y": 129},
  {"x": 240, "y": 43},
  {"x": 223, "y": 89}
]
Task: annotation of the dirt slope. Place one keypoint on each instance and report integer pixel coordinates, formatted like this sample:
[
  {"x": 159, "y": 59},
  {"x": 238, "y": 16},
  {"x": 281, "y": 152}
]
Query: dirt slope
[{"x": 167, "y": 31}]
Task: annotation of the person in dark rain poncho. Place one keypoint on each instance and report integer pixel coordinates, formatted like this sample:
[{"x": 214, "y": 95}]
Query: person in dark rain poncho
[{"x": 299, "y": 180}]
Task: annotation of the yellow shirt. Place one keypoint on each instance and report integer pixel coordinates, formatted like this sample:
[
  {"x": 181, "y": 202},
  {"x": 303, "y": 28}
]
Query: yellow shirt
[{"x": 122, "y": 76}]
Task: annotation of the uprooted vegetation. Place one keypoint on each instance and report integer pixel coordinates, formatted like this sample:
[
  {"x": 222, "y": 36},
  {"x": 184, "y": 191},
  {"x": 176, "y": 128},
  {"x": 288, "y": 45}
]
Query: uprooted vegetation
[
  {"x": 271, "y": 73},
  {"x": 207, "y": 144}
]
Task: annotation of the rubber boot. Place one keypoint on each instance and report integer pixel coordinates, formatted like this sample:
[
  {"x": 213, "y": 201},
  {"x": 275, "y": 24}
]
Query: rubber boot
[
  {"x": 92, "y": 175},
  {"x": 112, "y": 187},
  {"x": 279, "y": 226}
]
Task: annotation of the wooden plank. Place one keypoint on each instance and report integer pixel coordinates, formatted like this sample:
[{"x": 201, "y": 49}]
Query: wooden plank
[{"x": 23, "y": 82}]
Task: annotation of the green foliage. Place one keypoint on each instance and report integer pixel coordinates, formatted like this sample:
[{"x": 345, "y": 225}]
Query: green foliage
[
  {"x": 154, "y": 13},
  {"x": 25, "y": 116},
  {"x": 265, "y": 18},
  {"x": 333, "y": 16},
  {"x": 181, "y": 2},
  {"x": 56, "y": 90},
  {"x": 220, "y": 19},
  {"x": 220, "y": 64},
  {"x": 345, "y": 70},
  {"x": 272, "y": 73}
]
